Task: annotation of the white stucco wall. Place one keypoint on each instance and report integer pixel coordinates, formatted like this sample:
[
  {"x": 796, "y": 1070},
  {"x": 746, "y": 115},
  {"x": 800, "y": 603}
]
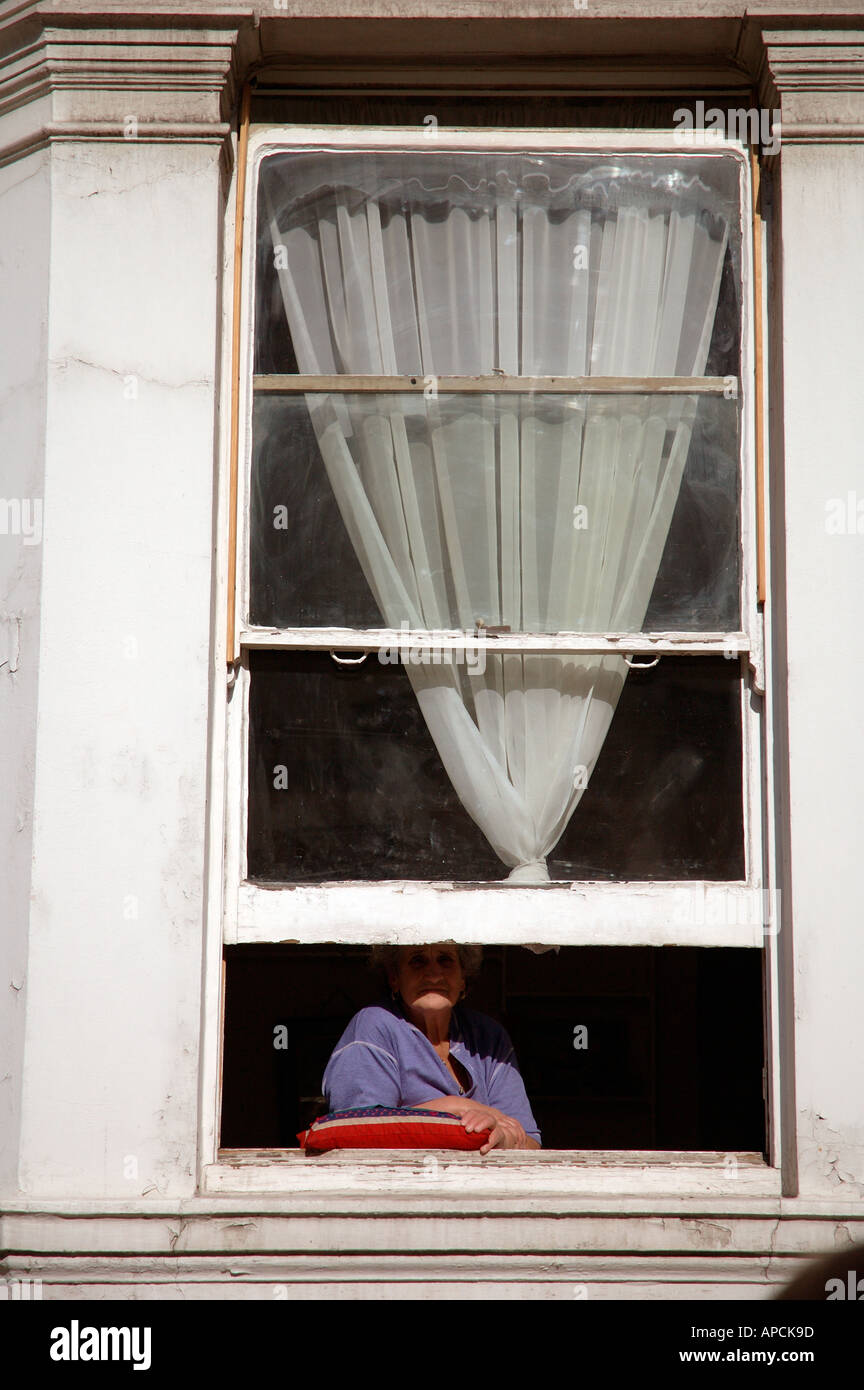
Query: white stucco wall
[
  {"x": 111, "y": 1078},
  {"x": 24, "y": 255},
  {"x": 822, "y": 218}
]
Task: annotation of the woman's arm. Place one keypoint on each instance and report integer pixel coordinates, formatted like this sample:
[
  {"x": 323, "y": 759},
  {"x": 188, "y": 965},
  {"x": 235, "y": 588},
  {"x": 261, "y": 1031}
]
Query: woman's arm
[
  {"x": 452, "y": 1105},
  {"x": 505, "y": 1132},
  {"x": 363, "y": 1069}
]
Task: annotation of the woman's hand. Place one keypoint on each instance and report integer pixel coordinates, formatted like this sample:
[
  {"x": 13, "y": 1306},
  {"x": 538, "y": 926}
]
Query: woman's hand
[{"x": 505, "y": 1132}]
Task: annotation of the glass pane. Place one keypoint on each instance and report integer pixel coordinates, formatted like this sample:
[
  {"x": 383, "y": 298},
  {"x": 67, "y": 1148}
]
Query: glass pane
[
  {"x": 345, "y": 781},
  {"x": 461, "y": 263},
  {"x": 536, "y": 513}
]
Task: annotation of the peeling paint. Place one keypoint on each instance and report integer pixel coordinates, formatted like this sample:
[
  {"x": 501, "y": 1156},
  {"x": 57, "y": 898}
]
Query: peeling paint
[
  {"x": 831, "y": 1159},
  {"x": 709, "y": 1234}
]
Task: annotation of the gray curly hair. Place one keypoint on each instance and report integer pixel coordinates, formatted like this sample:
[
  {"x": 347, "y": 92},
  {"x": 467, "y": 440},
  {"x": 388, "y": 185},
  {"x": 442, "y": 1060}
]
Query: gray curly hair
[{"x": 470, "y": 957}]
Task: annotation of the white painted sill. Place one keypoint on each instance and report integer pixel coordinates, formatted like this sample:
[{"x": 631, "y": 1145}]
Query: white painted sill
[{"x": 578, "y": 1173}]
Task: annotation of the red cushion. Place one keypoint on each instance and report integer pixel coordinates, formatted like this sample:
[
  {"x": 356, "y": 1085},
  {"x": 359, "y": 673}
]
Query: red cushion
[{"x": 380, "y": 1128}]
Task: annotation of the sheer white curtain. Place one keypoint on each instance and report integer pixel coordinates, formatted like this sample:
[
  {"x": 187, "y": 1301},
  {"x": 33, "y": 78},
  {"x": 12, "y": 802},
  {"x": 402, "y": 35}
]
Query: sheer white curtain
[{"x": 543, "y": 514}]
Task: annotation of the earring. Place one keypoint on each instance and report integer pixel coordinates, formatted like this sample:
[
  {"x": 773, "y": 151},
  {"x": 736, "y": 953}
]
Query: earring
[
  {"x": 464, "y": 991},
  {"x": 394, "y": 994}
]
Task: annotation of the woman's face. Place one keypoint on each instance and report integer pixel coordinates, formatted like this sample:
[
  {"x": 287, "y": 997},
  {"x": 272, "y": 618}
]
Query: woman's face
[{"x": 429, "y": 978}]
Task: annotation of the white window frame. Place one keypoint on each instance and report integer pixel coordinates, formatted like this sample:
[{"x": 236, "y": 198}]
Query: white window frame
[{"x": 636, "y": 913}]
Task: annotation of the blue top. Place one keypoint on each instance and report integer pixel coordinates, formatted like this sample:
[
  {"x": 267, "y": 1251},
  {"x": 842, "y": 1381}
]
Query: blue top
[{"x": 383, "y": 1059}]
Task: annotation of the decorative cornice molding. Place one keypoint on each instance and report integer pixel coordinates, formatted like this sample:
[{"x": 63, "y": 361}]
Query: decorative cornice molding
[
  {"x": 154, "y": 132},
  {"x": 816, "y": 78},
  {"x": 62, "y": 79},
  {"x": 808, "y": 60},
  {"x": 800, "y": 133},
  {"x": 69, "y": 71},
  {"x": 70, "y": 59}
]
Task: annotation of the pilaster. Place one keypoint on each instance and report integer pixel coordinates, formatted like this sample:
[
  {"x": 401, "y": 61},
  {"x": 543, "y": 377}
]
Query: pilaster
[
  {"x": 815, "y": 207},
  {"x": 121, "y": 131}
]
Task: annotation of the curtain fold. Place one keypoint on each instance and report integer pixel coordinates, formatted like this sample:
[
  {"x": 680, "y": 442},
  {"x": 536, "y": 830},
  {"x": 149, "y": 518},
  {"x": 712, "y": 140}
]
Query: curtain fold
[{"x": 541, "y": 514}]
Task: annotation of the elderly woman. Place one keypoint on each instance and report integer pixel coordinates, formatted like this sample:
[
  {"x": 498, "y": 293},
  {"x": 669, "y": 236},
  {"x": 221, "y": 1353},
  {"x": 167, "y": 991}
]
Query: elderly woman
[{"x": 423, "y": 1049}]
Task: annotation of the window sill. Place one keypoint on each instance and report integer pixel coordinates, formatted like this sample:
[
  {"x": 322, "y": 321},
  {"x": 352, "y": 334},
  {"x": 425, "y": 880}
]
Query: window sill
[{"x": 578, "y": 1173}]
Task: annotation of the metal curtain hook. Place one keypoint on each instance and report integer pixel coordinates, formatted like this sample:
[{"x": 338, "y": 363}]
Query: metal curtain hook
[
  {"x": 350, "y": 660},
  {"x": 641, "y": 665}
]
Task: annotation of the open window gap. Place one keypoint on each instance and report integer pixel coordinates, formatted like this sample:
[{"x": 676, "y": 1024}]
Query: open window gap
[{"x": 585, "y": 1023}]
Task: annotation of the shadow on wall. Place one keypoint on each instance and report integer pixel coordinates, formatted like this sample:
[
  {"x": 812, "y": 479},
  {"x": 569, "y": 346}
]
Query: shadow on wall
[{"x": 838, "y": 1277}]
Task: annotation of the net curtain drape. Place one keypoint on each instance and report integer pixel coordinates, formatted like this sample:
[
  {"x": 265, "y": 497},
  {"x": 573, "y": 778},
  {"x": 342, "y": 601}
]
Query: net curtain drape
[{"x": 543, "y": 515}]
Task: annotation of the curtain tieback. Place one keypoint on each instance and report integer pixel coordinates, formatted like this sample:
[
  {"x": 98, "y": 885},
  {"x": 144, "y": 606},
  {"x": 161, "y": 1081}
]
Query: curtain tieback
[{"x": 533, "y": 871}]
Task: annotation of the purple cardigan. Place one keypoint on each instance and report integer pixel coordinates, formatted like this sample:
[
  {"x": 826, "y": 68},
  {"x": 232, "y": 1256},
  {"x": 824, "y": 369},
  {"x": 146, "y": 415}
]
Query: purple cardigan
[{"x": 383, "y": 1059}]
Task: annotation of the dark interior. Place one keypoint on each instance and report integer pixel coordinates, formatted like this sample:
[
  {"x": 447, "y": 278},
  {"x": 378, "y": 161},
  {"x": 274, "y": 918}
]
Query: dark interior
[
  {"x": 673, "y": 1059},
  {"x": 346, "y": 783}
]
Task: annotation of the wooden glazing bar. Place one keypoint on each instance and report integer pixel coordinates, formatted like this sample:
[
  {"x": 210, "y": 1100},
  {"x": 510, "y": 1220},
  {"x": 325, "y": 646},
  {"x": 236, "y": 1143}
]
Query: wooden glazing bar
[{"x": 502, "y": 385}]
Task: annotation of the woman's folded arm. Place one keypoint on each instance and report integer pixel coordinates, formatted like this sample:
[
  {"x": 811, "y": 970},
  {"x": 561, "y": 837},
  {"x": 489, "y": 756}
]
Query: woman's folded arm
[{"x": 506, "y": 1132}]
